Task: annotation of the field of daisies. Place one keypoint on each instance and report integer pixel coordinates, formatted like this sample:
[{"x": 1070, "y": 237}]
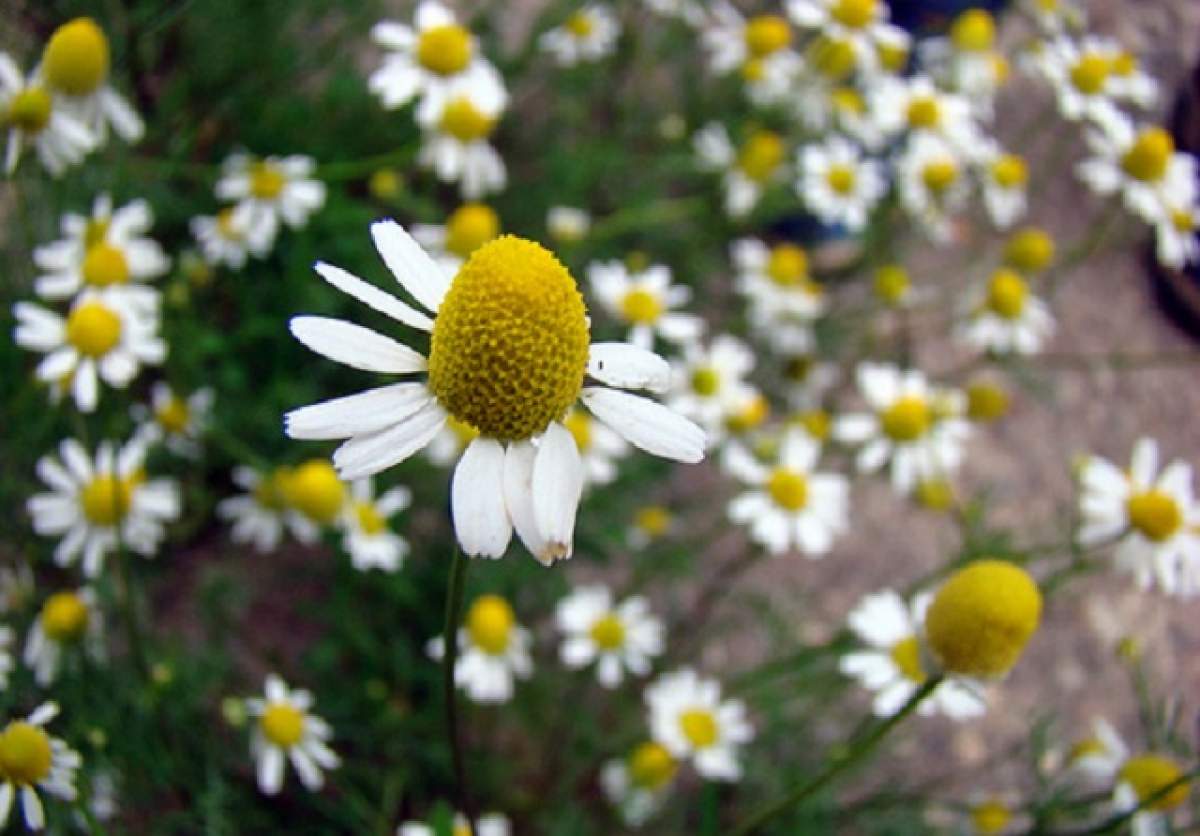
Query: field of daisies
[{"x": 404, "y": 402}]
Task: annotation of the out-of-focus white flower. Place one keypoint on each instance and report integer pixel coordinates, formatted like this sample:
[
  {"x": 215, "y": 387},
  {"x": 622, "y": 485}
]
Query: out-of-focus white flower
[
  {"x": 918, "y": 106},
  {"x": 688, "y": 717},
  {"x": 268, "y": 191},
  {"x": 638, "y": 784},
  {"x": 488, "y": 824},
  {"x": 467, "y": 228},
  {"x": 599, "y": 447},
  {"x": 456, "y": 146},
  {"x": 758, "y": 48},
  {"x": 36, "y": 117},
  {"x": 783, "y": 298},
  {"x": 617, "y": 637},
  {"x": 34, "y": 760},
  {"x": 646, "y": 302},
  {"x": 1176, "y": 232},
  {"x": 1096, "y": 759},
  {"x": 966, "y": 61},
  {"x": 1005, "y": 179},
  {"x": 287, "y": 730},
  {"x": 568, "y": 224},
  {"x": 368, "y": 539},
  {"x": 69, "y": 622},
  {"x": 748, "y": 170},
  {"x": 1139, "y": 163},
  {"x": 260, "y": 515},
  {"x": 176, "y": 421},
  {"x": 589, "y": 34},
  {"x": 493, "y": 650},
  {"x": 1093, "y": 77},
  {"x": 708, "y": 382},
  {"x": 838, "y": 184},
  {"x": 861, "y": 23},
  {"x": 224, "y": 238},
  {"x": 1008, "y": 318},
  {"x": 934, "y": 185}
]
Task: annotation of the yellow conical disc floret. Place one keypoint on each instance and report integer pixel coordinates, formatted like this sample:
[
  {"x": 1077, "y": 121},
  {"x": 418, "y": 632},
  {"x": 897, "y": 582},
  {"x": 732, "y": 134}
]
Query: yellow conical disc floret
[
  {"x": 651, "y": 766},
  {"x": 64, "y": 617},
  {"x": 761, "y": 155},
  {"x": 105, "y": 265},
  {"x": 982, "y": 617},
  {"x": 990, "y": 817},
  {"x": 1030, "y": 250},
  {"x": 973, "y": 31},
  {"x": 29, "y": 110},
  {"x": 106, "y": 499},
  {"x": 76, "y": 57},
  {"x": 490, "y": 623},
  {"x": 469, "y": 227},
  {"x": 282, "y": 724},
  {"x": 699, "y": 727},
  {"x": 1148, "y": 157},
  {"x": 510, "y": 342},
  {"x": 608, "y": 632},
  {"x": 25, "y": 754},
  {"x": 766, "y": 34},
  {"x": 1006, "y": 295},
  {"x": 445, "y": 50},
  {"x": 854, "y": 14},
  {"x": 1150, "y": 775},
  {"x": 315, "y": 489},
  {"x": 465, "y": 122}
]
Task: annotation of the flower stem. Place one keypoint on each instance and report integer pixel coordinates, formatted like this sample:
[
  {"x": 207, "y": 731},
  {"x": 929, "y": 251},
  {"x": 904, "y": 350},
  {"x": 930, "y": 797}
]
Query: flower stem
[
  {"x": 128, "y": 604},
  {"x": 455, "y": 593},
  {"x": 839, "y": 764}
]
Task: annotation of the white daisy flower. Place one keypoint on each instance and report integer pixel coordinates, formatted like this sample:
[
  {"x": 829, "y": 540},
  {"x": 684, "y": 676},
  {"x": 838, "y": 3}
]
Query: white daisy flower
[
  {"x": 105, "y": 336},
  {"x": 69, "y": 621},
  {"x": 75, "y": 65},
  {"x": 862, "y": 23},
  {"x": 1176, "y": 238},
  {"x": 425, "y": 59},
  {"x": 467, "y": 228},
  {"x": 617, "y": 637},
  {"x": 1055, "y": 16},
  {"x": 966, "y": 61},
  {"x": 225, "y": 240},
  {"x": 455, "y": 142},
  {"x": 568, "y": 224},
  {"x": 267, "y": 191},
  {"x": 493, "y": 650},
  {"x": 646, "y": 302},
  {"x": 933, "y": 183},
  {"x": 509, "y": 353},
  {"x": 918, "y": 106},
  {"x": 906, "y": 426},
  {"x": 488, "y": 824},
  {"x": 1095, "y": 760},
  {"x": 1154, "y": 515},
  {"x": 1008, "y": 319},
  {"x": 101, "y": 799},
  {"x": 368, "y": 539},
  {"x": 589, "y": 34},
  {"x": 650, "y": 523},
  {"x": 1005, "y": 179},
  {"x": 689, "y": 719},
  {"x": 709, "y": 381},
  {"x": 1145, "y": 777},
  {"x": 893, "y": 667},
  {"x": 599, "y": 447},
  {"x": 1085, "y": 82},
  {"x": 758, "y": 48},
  {"x": 35, "y": 116},
  {"x": 173, "y": 420},
  {"x": 261, "y": 514},
  {"x": 287, "y": 730},
  {"x": 1140, "y": 163},
  {"x": 748, "y": 170},
  {"x": 807, "y": 379},
  {"x": 34, "y": 760},
  {"x": 838, "y": 184},
  {"x": 638, "y": 784},
  {"x": 992, "y": 815},
  {"x": 96, "y": 504},
  {"x": 789, "y": 506}
]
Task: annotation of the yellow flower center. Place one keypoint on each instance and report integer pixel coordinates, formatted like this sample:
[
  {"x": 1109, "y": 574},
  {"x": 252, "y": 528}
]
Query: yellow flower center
[
  {"x": 788, "y": 488},
  {"x": 986, "y": 401},
  {"x": 907, "y": 419},
  {"x": 982, "y": 618},
  {"x": 1123, "y": 64},
  {"x": 1007, "y": 294},
  {"x": 266, "y": 181},
  {"x": 106, "y": 500},
  {"x": 64, "y": 617},
  {"x": 315, "y": 490},
  {"x": 1029, "y": 250},
  {"x": 1155, "y": 515},
  {"x": 271, "y": 490},
  {"x": 854, "y": 14},
  {"x": 753, "y": 70},
  {"x": 848, "y": 101},
  {"x": 761, "y": 155},
  {"x": 510, "y": 342},
  {"x": 906, "y": 654},
  {"x": 226, "y": 227},
  {"x": 1009, "y": 171},
  {"x": 29, "y": 109},
  {"x": 93, "y": 329},
  {"x": 465, "y": 122},
  {"x": 766, "y": 34},
  {"x": 469, "y": 227},
  {"x": 25, "y": 753},
  {"x": 699, "y": 727},
  {"x": 892, "y": 284},
  {"x": 1183, "y": 220},
  {"x": 174, "y": 415},
  {"x": 75, "y": 60},
  {"x": 1000, "y": 68},
  {"x": 939, "y": 175},
  {"x": 641, "y": 307},
  {"x": 579, "y": 425},
  {"x": 105, "y": 265},
  {"x": 787, "y": 265},
  {"x": 95, "y": 232},
  {"x": 490, "y": 623},
  {"x": 923, "y": 112},
  {"x": 651, "y": 766},
  {"x": 833, "y": 58},
  {"x": 706, "y": 381},
  {"x": 1090, "y": 73},
  {"x": 1151, "y": 774},
  {"x": 973, "y": 31},
  {"x": 1147, "y": 158},
  {"x": 608, "y": 632},
  {"x": 841, "y": 178},
  {"x": 369, "y": 519},
  {"x": 990, "y": 817},
  {"x": 385, "y": 183},
  {"x": 282, "y": 724},
  {"x": 580, "y": 24},
  {"x": 465, "y": 433},
  {"x": 749, "y": 414},
  {"x": 893, "y": 56},
  {"x": 445, "y": 50},
  {"x": 816, "y": 422},
  {"x": 1086, "y": 748},
  {"x": 935, "y": 494},
  {"x": 653, "y": 520}
]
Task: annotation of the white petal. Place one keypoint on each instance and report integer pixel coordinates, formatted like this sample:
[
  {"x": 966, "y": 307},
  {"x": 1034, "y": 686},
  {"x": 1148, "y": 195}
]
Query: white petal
[
  {"x": 477, "y": 500},
  {"x": 557, "y": 486},
  {"x": 518, "y": 495},
  {"x": 366, "y": 412},
  {"x": 373, "y": 297},
  {"x": 365, "y": 455},
  {"x": 647, "y": 425},
  {"x": 356, "y": 346},
  {"x": 411, "y": 265},
  {"x": 628, "y": 367}
]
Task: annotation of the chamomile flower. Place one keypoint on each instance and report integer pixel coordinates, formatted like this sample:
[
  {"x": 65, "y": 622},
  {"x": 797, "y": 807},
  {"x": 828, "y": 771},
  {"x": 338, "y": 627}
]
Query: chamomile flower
[
  {"x": 176, "y": 421},
  {"x": 32, "y": 760},
  {"x": 1055, "y": 16},
  {"x": 758, "y": 48},
  {"x": 892, "y": 667},
  {"x": 918, "y": 106},
  {"x": 225, "y": 240},
  {"x": 69, "y": 622},
  {"x": 638, "y": 784},
  {"x": 748, "y": 170},
  {"x": 368, "y": 539},
  {"x": 1139, "y": 163},
  {"x": 789, "y": 504},
  {"x": 106, "y": 336},
  {"x": 710, "y": 380},
  {"x": 1095, "y": 760},
  {"x": 589, "y": 34},
  {"x": 262, "y": 513},
  {"x": 488, "y": 824},
  {"x": 493, "y": 650},
  {"x": 1029, "y": 250},
  {"x": 807, "y": 379},
  {"x": 991, "y": 815},
  {"x": 287, "y": 730},
  {"x": 689, "y": 719},
  {"x": 599, "y": 447},
  {"x": 1154, "y": 514},
  {"x": 35, "y": 116},
  {"x": 645, "y": 301},
  {"x": 967, "y": 61},
  {"x": 1176, "y": 232},
  {"x": 650, "y": 523},
  {"x": 933, "y": 183},
  {"x": 96, "y": 503},
  {"x": 1005, "y": 179},
  {"x": 509, "y": 353},
  {"x": 1008, "y": 319},
  {"x": 75, "y": 65},
  {"x": 1085, "y": 79},
  {"x": 617, "y": 637},
  {"x": 861, "y": 23},
  {"x": 424, "y": 60},
  {"x": 905, "y": 427},
  {"x": 1150, "y": 784},
  {"x": 838, "y": 184},
  {"x": 314, "y": 489},
  {"x": 568, "y": 224},
  {"x": 456, "y": 143},
  {"x": 268, "y": 191},
  {"x": 467, "y": 228}
]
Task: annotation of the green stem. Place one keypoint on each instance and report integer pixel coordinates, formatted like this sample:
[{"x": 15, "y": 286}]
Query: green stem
[
  {"x": 455, "y": 593},
  {"x": 1112, "y": 824},
  {"x": 128, "y": 605},
  {"x": 837, "y": 765}
]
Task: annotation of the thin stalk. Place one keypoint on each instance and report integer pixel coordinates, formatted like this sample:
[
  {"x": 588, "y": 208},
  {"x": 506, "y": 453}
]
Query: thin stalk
[
  {"x": 128, "y": 606},
  {"x": 455, "y": 594}
]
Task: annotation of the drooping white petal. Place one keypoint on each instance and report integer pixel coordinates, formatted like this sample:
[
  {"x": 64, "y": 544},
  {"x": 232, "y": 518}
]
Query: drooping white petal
[
  {"x": 557, "y": 487},
  {"x": 477, "y": 500},
  {"x": 518, "y": 495}
]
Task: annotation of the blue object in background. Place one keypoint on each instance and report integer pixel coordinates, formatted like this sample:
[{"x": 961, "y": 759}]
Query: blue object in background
[{"x": 924, "y": 17}]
